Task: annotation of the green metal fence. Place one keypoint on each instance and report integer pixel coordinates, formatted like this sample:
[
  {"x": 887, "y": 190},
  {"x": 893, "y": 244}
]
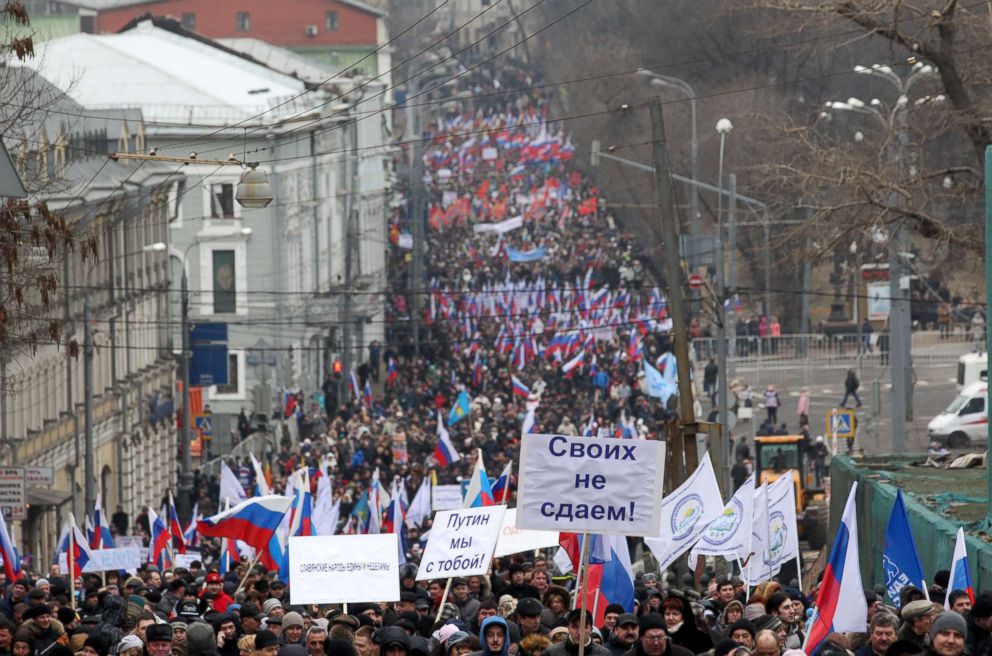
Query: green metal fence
[{"x": 933, "y": 529}]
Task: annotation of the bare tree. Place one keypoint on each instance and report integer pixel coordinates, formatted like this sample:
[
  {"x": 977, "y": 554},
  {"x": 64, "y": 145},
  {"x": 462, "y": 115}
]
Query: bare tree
[{"x": 34, "y": 241}]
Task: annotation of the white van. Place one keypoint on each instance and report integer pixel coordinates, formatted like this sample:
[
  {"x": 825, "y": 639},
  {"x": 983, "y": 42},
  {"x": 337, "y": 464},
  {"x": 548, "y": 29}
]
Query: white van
[
  {"x": 973, "y": 368},
  {"x": 964, "y": 420}
]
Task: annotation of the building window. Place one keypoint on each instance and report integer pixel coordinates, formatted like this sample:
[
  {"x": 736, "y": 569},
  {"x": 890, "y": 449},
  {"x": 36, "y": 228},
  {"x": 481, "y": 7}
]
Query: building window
[
  {"x": 232, "y": 376},
  {"x": 225, "y": 289},
  {"x": 331, "y": 21},
  {"x": 189, "y": 21},
  {"x": 244, "y": 21},
  {"x": 222, "y": 200}
]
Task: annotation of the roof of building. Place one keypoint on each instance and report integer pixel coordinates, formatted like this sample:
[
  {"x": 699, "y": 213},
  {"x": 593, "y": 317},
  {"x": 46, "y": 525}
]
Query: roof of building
[
  {"x": 173, "y": 77},
  {"x": 100, "y": 5},
  {"x": 10, "y": 183},
  {"x": 283, "y": 60}
]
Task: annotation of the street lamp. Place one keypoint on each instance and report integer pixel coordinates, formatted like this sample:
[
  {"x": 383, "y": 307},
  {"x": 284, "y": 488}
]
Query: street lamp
[
  {"x": 88, "y": 473},
  {"x": 685, "y": 88},
  {"x": 894, "y": 120},
  {"x": 723, "y": 128},
  {"x": 185, "y": 483}
]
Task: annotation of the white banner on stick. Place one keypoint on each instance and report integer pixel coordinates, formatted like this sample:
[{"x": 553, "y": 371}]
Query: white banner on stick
[
  {"x": 599, "y": 485},
  {"x": 783, "y": 538},
  {"x": 518, "y": 540},
  {"x": 109, "y": 560},
  {"x": 461, "y": 542},
  {"x": 327, "y": 569},
  {"x": 446, "y": 497},
  {"x": 499, "y": 228}
]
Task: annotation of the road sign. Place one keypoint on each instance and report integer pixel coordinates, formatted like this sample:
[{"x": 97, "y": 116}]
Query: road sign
[
  {"x": 208, "y": 364},
  {"x": 841, "y": 423},
  {"x": 695, "y": 281},
  {"x": 204, "y": 424},
  {"x": 12, "y": 493}
]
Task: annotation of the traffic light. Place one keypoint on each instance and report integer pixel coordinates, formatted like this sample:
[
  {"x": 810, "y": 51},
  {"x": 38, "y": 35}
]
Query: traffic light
[{"x": 337, "y": 367}]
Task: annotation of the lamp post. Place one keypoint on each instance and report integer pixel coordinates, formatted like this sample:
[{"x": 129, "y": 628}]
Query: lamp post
[
  {"x": 685, "y": 88},
  {"x": 723, "y": 128},
  {"x": 894, "y": 120},
  {"x": 88, "y": 491},
  {"x": 185, "y": 482}
]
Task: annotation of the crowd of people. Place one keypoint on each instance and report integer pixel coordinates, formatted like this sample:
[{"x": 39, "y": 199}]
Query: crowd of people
[{"x": 557, "y": 298}]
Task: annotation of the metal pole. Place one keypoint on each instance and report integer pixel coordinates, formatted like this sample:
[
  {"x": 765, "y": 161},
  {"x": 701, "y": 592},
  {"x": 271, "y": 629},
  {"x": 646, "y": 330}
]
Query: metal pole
[
  {"x": 732, "y": 265},
  {"x": 417, "y": 218},
  {"x": 88, "y": 394},
  {"x": 768, "y": 268},
  {"x": 693, "y": 189},
  {"x": 349, "y": 265},
  {"x": 185, "y": 486},
  {"x": 899, "y": 315},
  {"x": 668, "y": 226},
  {"x": 987, "y": 524},
  {"x": 721, "y": 336}
]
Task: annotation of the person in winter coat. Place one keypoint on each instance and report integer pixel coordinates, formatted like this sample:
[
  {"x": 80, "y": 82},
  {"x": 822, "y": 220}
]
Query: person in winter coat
[
  {"x": 570, "y": 646},
  {"x": 851, "y": 385},
  {"x": 772, "y": 404},
  {"x": 979, "y": 620},
  {"x": 654, "y": 639},
  {"x": 680, "y": 623},
  {"x": 494, "y": 634}
]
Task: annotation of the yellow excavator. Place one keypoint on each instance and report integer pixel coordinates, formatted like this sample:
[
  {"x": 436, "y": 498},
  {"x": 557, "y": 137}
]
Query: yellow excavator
[{"x": 783, "y": 455}]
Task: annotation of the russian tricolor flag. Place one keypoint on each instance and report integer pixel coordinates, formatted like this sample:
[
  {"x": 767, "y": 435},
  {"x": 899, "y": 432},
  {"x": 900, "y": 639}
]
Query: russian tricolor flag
[
  {"x": 102, "y": 538},
  {"x": 501, "y": 487},
  {"x": 11, "y": 560},
  {"x": 392, "y": 374},
  {"x": 840, "y": 604},
  {"x": 479, "y": 492},
  {"x": 960, "y": 578},
  {"x": 444, "y": 451},
  {"x": 301, "y": 517},
  {"x": 75, "y": 547},
  {"x": 368, "y": 394},
  {"x": 519, "y": 388},
  {"x": 158, "y": 549},
  {"x": 253, "y": 521},
  {"x": 175, "y": 528}
]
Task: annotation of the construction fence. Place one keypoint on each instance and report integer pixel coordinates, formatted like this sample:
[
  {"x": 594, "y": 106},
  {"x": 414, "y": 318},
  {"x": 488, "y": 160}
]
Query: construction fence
[{"x": 934, "y": 517}]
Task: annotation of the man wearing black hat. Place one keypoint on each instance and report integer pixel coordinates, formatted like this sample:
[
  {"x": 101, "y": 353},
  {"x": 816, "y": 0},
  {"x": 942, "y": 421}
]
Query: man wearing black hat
[
  {"x": 17, "y": 594},
  {"x": 267, "y": 643},
  {"x": 653, "y": 639},
  {"x": 158, "y": 639},
  {"x": 392, "y": 641},
  {"x": 517, "y": 587},
  {"x": 251, "y": 619},
  {"x": 742, "y": 632},
  {"x": 576, "y": 636},
  {"x": 38, "y": 619},
  {"x": 529, "y": 617},
  {"x": 467, "y": 606},
  {"x": 979, "y": 620},
  {"x": 624, "y": 635}
]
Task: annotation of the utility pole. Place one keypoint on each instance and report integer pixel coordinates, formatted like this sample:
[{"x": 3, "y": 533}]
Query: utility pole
[
  {"x": 185, "y": 486},
  {"x": 987, "y": 523},
  {"x": 899, "y": 312},
  {"x": 349, "y": 266},
  {"x": 732, "y": 269},
  {"x": 685, "y": 437},
  {"x": 417, "y": 218},
  {"x": 88, "y": 394}
]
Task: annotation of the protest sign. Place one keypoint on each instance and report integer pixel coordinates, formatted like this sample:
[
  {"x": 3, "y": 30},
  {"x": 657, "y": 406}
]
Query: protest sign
[
  {"x": 186, "y": 559},
  {"x": 577, "y": 484},
  {"x": 518, "y": 540},
  {"x": 109, "y": 560},
  {"x": 133, "y": 541},
  {"x": 446, "y": 497},
  {"x": 499, "y": 228},
  {"x": 327, "y": 569},
  {"x": 461, "y": 542}
]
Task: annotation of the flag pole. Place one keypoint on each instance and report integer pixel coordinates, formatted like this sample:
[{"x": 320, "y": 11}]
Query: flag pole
[
  {"x": 585, "y": 584},
  {"x": 578, "y": 577},
  {"x": 799, "y": 569},
  {"x": 926, "y": 591},
  {"x": 444, "y": 598},
  {"x": 258, "y": 554},
  {"x": 69, "y": 558},
  {"x": 506, "y": 488}
]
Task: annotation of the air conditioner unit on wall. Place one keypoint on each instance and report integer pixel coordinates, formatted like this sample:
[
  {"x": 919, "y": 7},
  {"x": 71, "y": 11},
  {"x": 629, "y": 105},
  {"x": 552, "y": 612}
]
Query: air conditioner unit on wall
[{"x": 310, "y": 30}]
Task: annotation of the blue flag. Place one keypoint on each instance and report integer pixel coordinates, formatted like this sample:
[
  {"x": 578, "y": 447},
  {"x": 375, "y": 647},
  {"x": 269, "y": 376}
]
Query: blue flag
[
  {"x": 900, "y": 560},
  {"x": 460, "y": 410},
  {"x": 661, "y": 385}
]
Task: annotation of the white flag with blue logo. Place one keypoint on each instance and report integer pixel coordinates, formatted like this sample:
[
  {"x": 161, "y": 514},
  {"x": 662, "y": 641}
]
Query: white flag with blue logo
[
  {"x": 729, "y": 535},
  {"x": 783, "y": 538},
  {"x": 686, "y": 513}
]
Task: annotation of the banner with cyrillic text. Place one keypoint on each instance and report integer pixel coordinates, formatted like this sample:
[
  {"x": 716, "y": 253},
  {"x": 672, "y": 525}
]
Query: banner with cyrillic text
[
  {"x": 600, "y": 485},
  {"x": 109, "y": 560},
  {"x": 461, "y": 542},
  {"x": 328, "y": 569},
  {"x": 446, "y": 497},
  {"x": 518, "y": 540}
]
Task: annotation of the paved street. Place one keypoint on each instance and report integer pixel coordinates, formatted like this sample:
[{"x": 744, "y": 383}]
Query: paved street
[{"x": 935, "y": 366}]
